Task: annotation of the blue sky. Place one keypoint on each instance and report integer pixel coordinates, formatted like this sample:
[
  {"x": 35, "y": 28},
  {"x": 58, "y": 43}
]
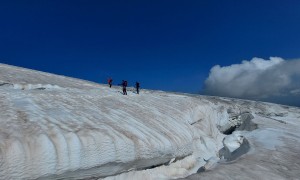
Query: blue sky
[{"x": 167, "y": 45}]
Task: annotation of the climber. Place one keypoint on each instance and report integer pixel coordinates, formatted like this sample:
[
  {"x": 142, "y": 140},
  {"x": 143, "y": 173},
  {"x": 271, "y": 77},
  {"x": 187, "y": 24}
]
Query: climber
[
  {"x": 124, "y": 84},
  {"x": 109, "y": 82},
  {"x": 137, "y": 86}
]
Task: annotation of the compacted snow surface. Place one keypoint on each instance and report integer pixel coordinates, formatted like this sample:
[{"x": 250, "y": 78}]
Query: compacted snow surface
[{"x": 55, "y": 127}]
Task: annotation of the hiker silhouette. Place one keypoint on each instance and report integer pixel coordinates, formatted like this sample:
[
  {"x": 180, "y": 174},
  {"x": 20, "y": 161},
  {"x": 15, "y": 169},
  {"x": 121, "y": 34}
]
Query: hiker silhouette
[
  {"x": 124, "y": 84},
  {"x": 137, "y": 87},
  {"x": 109, "y": 81}
]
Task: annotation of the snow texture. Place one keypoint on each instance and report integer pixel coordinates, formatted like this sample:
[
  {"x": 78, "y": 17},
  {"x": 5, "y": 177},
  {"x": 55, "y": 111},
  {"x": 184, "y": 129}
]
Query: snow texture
[{"x": 54, "y": 127}]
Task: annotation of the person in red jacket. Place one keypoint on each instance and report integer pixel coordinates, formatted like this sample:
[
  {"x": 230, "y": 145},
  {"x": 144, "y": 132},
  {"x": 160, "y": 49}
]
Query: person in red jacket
[{"x": 109, "y": 82}]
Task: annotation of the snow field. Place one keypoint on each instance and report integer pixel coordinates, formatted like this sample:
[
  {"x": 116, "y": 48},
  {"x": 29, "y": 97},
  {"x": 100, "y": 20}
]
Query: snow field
[{"x": 55, "y": 127}]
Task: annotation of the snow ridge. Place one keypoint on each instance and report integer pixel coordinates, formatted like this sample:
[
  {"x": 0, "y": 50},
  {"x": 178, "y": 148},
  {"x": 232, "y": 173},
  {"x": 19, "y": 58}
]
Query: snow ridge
[
  {"x": 71, "y": 129},
  {"x": 55, "y": 127}
]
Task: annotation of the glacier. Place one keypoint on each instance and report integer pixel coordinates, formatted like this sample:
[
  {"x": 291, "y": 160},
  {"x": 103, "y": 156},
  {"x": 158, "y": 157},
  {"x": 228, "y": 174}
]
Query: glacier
[{"x": 57, "y": 127}]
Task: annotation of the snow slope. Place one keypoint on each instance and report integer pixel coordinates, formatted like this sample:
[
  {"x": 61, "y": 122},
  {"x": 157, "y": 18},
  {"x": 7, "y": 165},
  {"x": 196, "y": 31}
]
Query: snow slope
[
  {"x": 55, "y": 127},
  {"x": 274, "y": 147}
]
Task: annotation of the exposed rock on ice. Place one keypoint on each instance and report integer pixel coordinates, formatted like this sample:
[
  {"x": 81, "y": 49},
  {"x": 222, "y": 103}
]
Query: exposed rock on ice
[
  {"x": 238, "y": 122},
  {"x": 30, "y": 86},
  {"x": 235, "y": 145}
]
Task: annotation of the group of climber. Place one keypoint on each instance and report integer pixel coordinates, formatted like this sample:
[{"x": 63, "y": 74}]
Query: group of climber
[{"x": 124, "y": 85}]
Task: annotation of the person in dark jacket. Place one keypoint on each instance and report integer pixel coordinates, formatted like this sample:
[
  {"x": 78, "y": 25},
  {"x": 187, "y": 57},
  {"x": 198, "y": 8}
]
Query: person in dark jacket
[
  {"x": 124, "y": 84},
  {"x": 110, "y": 82},
  {"x": 137, "y": 86}
]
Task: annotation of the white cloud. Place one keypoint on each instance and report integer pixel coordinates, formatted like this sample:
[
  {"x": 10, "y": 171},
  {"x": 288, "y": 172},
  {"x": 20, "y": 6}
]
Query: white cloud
[
  {"x": 295, "y": 91},
  {"x": 258, "y": 79}
]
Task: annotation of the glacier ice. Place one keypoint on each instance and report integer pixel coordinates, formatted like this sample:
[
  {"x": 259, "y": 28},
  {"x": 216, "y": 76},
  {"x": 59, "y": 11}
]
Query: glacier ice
[{"x": 55, "y": 127}]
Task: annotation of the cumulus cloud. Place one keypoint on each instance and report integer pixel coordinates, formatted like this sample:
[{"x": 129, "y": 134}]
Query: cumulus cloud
[{"x": 275, "y": 80}]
